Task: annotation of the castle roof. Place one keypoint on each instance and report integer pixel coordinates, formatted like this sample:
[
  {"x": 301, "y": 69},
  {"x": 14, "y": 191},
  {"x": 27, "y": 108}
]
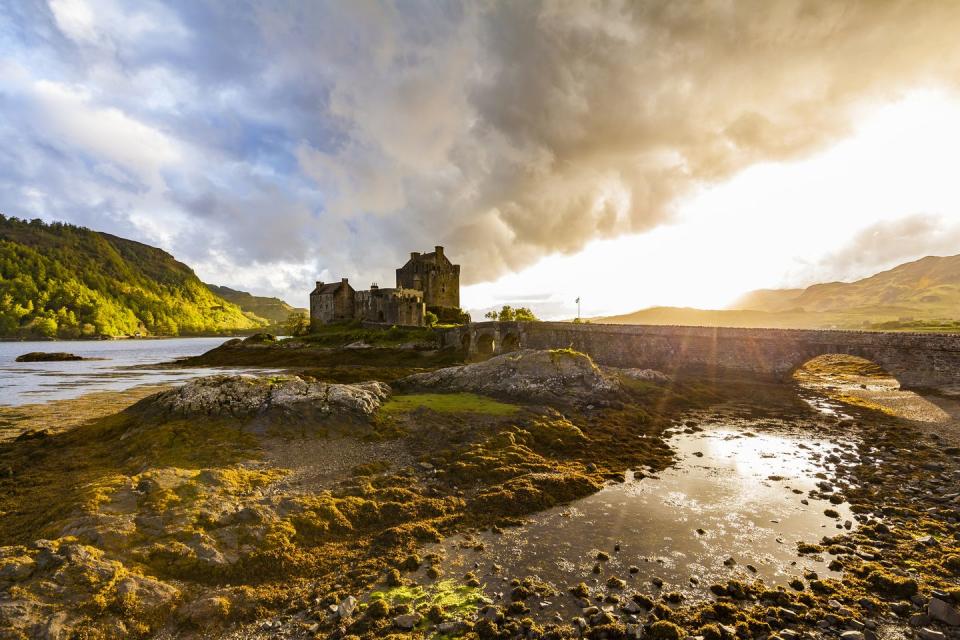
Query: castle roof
[
  {"x": 328, "y": 288},
  {"x": 434, "y": 257}
]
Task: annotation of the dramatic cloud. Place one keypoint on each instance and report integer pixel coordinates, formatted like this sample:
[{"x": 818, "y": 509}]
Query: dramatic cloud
[
  {"x": 319, "y": 138},
  {"x": 889, "y": 243}
]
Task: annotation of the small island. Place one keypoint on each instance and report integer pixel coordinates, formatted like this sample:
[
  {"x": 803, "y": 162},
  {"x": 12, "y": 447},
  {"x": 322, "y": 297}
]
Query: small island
[{"x": 50, "y": 356}]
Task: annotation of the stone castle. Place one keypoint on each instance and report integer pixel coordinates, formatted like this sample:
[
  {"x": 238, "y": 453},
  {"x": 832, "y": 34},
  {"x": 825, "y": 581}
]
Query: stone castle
[{"x": 428, "y": 281}]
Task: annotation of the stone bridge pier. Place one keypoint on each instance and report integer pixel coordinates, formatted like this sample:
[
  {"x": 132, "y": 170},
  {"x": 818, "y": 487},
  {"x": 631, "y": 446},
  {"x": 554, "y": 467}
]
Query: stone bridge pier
[{"x": 916, "y": 360}]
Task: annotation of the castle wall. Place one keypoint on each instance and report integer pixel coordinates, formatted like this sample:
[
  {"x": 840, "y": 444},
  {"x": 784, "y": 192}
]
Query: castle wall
[{"x": 390, "y": 306}]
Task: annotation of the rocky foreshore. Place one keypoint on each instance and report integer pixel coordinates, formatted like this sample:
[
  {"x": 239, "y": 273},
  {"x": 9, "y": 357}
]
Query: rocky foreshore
[{"x": 194, "y": 514}]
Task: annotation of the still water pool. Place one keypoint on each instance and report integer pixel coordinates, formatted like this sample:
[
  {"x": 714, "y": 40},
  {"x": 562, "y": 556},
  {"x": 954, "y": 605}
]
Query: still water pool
[{"x": 733, "y": 507}]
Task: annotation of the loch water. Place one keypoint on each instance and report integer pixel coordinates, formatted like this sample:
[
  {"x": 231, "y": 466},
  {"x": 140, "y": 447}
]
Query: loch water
[{"x": 119, "y": 364}]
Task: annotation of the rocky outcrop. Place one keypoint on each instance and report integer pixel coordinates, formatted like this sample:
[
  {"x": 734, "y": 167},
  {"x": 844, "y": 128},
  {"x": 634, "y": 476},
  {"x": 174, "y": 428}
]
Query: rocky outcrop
[
  {"x": 555, "y": 376},
  {"x": 242, "y": 396}
]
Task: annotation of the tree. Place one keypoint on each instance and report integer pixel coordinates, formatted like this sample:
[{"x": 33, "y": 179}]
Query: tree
[
  {"x": 524, "y": 314},
  {"x": 297, "y": 324},
  {"x": 509, "y": 314},
  {"x": 430, "y": 318}
]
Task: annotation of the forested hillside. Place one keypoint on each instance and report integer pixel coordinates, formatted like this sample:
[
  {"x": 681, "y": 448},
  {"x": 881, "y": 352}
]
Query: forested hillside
[
  {"x": 60, "y": 280},
  {"x": 273, "y": 309}
]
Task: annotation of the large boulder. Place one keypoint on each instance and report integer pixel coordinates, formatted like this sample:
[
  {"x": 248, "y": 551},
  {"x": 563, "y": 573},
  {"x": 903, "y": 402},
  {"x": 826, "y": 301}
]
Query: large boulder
[
  {"x": 558, "y": 375},
  {"x": 244, "y": 396}
]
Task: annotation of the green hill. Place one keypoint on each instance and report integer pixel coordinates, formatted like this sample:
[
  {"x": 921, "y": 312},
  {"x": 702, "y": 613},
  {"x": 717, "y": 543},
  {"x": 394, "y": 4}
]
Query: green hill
[
  {"x": 273, "y": 309},
  {"x": 923, "y": 295},
  {"x": 60, "y": 280}
]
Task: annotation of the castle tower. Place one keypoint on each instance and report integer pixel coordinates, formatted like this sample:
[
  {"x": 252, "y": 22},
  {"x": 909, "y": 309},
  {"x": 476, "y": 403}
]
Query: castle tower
[{"x": 435, "y": 275}]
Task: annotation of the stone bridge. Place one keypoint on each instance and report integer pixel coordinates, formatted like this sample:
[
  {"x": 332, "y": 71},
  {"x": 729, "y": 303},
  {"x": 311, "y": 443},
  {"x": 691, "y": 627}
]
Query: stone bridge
[{"x": 916, "y": 360}]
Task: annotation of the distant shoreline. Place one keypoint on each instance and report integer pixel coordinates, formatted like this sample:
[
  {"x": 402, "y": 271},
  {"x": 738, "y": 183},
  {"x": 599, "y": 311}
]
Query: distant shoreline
[{"x": 225, "y": 336}]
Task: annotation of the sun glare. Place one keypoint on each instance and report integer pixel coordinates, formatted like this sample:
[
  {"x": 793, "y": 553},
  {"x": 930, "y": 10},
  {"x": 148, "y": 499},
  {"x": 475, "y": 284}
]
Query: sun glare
[{"x": 757, "y": 230}]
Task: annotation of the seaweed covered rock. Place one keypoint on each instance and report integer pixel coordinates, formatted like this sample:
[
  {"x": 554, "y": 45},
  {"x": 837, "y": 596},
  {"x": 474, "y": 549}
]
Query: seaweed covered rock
[
  {"x": 50, "y": 574},
  {"x": 558, "y": 375},
  {"x": 244, "y": 396}
]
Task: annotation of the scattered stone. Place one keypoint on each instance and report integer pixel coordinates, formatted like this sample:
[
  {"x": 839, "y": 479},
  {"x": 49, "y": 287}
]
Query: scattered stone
[
  {"x": 346, "y": 607},
  {"x": 407, "y": 621},
  {"x": 927, "y": 633},
  {"x": 943, "y": 612}
]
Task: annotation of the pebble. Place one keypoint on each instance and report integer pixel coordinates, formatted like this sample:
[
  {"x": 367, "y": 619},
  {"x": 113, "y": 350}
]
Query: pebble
[
  {"x": 927, "y": 633},
  {"x": 944, "y": 612},
  {"x": 788, "y": 614},
  {"x": 346, "y": 607},
  {"x": 851, "y": 635},
  {"x": 407, "y": 620}
]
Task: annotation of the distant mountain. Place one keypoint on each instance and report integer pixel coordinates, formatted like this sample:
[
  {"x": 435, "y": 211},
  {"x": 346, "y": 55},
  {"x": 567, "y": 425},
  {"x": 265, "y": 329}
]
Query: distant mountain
[
  {"x": 60, "y": 280},
  {"x": 273, "y": 309},
  {"x": 926, "y": 288},
  {"x": 919, "y": 295}
]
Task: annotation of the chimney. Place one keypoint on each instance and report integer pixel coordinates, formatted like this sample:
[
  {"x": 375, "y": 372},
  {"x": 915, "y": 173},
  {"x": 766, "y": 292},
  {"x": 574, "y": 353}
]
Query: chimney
[
  {"x": 439, "y": 251},
  {"x": 319, "y": 283},
  {"x": 414, "y": 255}
]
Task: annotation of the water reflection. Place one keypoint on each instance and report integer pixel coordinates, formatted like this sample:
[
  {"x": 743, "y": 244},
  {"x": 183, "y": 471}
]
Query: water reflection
[{"x": 734, "y": 506}]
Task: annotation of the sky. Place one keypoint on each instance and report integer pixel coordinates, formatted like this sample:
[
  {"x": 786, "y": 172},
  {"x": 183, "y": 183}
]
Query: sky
[{"x": 628, "y": 153}]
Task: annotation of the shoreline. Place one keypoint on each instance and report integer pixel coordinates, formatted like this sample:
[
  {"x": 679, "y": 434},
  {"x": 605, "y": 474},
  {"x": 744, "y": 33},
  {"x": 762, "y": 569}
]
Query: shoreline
[{"x": 64, "y": 414}]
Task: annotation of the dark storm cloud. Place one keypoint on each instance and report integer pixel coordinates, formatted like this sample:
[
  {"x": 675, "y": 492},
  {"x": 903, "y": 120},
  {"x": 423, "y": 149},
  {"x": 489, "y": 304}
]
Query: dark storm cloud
[{"x": 340, "y": 135}]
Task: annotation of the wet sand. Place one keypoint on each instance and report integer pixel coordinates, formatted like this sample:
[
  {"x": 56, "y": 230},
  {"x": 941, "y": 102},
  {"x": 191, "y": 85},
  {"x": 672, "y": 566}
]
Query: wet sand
[{"x": 62, "y": 415}]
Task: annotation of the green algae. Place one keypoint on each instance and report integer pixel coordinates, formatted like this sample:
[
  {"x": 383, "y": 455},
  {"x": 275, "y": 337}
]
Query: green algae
[{"x": 454, "y": 598}]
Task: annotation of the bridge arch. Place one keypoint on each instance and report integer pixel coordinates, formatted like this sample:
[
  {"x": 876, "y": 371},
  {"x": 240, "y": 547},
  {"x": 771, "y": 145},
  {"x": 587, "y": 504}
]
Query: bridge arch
[
  {"x": 509, "y": 342},
  {"x": 873, "y": 362},
  {"x": 486, "y": 344},
  {"x": 839, "y": 367}
]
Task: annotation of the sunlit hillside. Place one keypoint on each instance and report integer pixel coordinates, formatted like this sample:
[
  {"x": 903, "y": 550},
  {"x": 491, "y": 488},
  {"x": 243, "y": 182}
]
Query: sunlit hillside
[
  {"x": 60, "y": 280},
  {"x": 922, "y": 295}
]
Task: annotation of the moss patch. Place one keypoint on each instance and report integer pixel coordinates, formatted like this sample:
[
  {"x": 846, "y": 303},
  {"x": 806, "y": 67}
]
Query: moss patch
[{"x": 448, "y": 403}]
